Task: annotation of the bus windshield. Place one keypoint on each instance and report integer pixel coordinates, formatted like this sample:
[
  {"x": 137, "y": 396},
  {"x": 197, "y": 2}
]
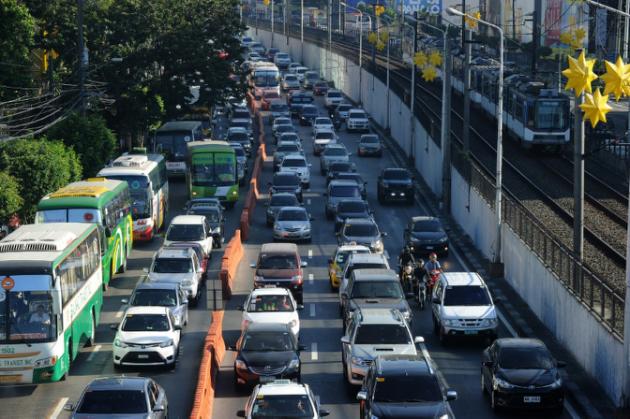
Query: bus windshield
[
  {"x": 172, "y": 143},
  {"x": 552, "y": 114},
  {"x": 266, "y": 79},
  {"x": 26, "y": 311},
  {"x": 139, "y": 189},
  {"x": 213, "y": 169},
  {"x": 69, "y": 215}
]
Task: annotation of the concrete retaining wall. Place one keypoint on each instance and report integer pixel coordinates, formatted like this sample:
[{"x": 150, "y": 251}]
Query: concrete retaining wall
[{"x": 593, "y": 346}]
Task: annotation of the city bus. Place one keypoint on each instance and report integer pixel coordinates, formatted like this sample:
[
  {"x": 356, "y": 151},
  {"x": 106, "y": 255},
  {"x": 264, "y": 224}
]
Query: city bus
[
  {"x": 105, "y": 202},
  {"x": 171, "y": 139},
  {"x": 148, "y": 187},
  {"x": 264, "y": 77},
  {"x": 212, "y": 171},
  {"x": 50, "y": 299}
]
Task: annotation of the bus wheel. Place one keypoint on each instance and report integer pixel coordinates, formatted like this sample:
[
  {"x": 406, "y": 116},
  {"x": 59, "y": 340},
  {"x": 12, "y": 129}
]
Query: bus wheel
[
  {"x": 123, "y": 267},
  {"x": 90, "y": 340},
  {"x": 69, "y": 352}
]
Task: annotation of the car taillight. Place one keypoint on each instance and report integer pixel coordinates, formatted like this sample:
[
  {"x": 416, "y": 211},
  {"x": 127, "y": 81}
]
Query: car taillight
[{"x": 296, "y": 280}]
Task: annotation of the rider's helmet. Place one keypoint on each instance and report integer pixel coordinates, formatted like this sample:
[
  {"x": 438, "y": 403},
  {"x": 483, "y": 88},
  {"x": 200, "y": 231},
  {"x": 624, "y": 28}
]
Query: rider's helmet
[{"x": 433, "y": 256}]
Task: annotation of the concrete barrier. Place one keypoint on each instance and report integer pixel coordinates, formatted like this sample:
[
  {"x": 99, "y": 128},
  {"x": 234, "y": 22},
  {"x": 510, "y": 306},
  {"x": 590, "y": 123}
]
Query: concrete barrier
[
  {"x": 231, "y": 258},
  {"x": 213, "y": 353}
]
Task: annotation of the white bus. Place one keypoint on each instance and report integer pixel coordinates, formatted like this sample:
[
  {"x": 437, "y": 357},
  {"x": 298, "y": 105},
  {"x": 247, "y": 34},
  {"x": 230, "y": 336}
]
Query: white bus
[
  {"x": 50, "y": 299},
  {"x": 148, "y": 187},
  {"x": 264, "y": 77}
]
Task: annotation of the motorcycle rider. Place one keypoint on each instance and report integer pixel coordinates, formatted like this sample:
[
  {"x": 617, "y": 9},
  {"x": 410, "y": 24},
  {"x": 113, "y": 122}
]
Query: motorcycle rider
[
  {"x": 403, "y": 259},
  {"x": 432, "y": 265}
]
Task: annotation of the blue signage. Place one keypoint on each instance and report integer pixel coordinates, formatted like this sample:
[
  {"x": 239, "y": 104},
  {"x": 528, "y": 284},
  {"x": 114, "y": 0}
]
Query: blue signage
[{"x": 432, "y": 7}]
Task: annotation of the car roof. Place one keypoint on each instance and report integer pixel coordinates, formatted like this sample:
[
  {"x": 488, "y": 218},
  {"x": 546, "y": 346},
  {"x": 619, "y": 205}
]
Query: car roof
[
  {"x": 285, "y": 174},
  {"x": 342, "y": 182},
  {"x": 361, "y": 220},
  {"x": 294, "y": 208},
  {"x": 397, "y": 365},
  {"x": 367, "y": 258},
  {"x": 357, "y": 110},
  {"x": 520, "y": 343},
  {"x": 380, "y": 316},
  {"x": 157, "y": 286},
  {"x": 267, "y": 327},
  {"x": 395, "y": 169},
  {"x": 283, "y": 194},
  {"x": 351, "y": 247},
  {"x": 334, "y": 145},
  {"x": 270, "y": 291},
  {"x": 187, "y": 219},
  {"x": 279, "y": 248},
  {"x": 174, "y": 253},
  {"x": 282, "y": 387},
  {"x": 374, "y": 274},
  {"x": 458, "y": 279},
  {"x": 424, "y": 218},
  {"x": 294, "y": 156},
  {"x": 146, "y": 310},
  {"x": 118, "y": 383}
]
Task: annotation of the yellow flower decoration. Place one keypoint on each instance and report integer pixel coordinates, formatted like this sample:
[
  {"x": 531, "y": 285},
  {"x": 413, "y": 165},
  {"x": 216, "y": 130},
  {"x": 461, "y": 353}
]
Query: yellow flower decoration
[
  {"x": 579, "y": 34},
  {"x": 472, "y": 23},
  {"x": 429, "y": 73},
  {"x": 617, "y": 78},
  {"x": 595, "y": 107},
  {"x": 380, "y": 45},
  {"x": 420, "y": 59},
  {"x": 372, "y": 37},
  {"x": 435, "y": 58},
  {"x": 579, "y": 74}
]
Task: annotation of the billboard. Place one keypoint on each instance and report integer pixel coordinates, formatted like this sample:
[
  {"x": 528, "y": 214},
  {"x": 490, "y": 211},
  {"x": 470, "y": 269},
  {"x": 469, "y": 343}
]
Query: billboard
[{"x": 433, "y": 7}]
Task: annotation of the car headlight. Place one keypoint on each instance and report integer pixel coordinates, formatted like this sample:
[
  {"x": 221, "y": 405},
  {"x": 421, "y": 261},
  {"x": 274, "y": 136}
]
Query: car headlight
[
  {"x": 498, "y": 382},
  {"x": 443, "y": 240},
  {"x": 240, "y": 365},
  {"x": 406, "y": 314},
  {"x": 258, "y": 278},
  {"x": 557, "y": 383},
  {"x": 167, "y": 343},
  {"x": 491, "y": 322},
  {"x": 357, "y": 360},
  {"x": 187, "y": 283},
  {"x": 294, "y": 364},
  {"x": 378, "y": 244},
  {"x": 216, "y": 230},
  {"x": 293, "y": 323},
  {"x": 450, "y": 322},
  {"x": 119, "y": 343}
]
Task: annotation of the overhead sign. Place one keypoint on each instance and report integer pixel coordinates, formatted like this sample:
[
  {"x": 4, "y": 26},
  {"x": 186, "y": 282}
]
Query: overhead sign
[{"x": 431, "y": 7}]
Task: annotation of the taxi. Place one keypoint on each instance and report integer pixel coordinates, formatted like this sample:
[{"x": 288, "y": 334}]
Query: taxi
[{"x": 337, "y": 263}]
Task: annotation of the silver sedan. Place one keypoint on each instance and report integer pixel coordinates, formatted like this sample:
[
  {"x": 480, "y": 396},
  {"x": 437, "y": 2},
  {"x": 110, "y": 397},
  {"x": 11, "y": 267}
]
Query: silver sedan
[{"x": 292, "y": 223}]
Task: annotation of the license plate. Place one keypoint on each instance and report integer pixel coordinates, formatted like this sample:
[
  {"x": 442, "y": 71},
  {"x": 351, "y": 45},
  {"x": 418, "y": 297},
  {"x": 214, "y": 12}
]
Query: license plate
[
  {"x": 470, "y": 332},
  {"x": 269, "y": 286},
  {"x": 143, "y": 356},
  {"x": 10, "y": 378},
  {"x": 531, "y": 399},
  {"x": 429, "y": 247}
]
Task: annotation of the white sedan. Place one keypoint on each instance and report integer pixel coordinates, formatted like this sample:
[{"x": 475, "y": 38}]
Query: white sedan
[{"x": 271, "y": 305}]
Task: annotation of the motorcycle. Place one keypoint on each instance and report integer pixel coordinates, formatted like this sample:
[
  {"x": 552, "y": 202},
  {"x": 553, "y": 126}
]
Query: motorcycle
[
  {"x": 430, "y": 279},
  {"x": 407, "y": 277},
  {"x": 422, "y": 293}
]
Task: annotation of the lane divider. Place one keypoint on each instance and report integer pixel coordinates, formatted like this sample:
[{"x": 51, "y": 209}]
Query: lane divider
[{"x": 229, "y": 264}]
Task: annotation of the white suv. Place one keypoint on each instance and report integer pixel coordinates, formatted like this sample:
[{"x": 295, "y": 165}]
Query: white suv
[
  {"x": 282, "y": 398},
  {"x": 372, "y": 332},
  {"x": 190, "y": 228},
  {"x": 296, "y": 163},
  {"x": 180, "y": 266},
  {"x": 147, "y": 336},
  {"x": 462, "y": 305},
  {"x": 357, "y": 120},
  {"x": 333, "y": 98}
]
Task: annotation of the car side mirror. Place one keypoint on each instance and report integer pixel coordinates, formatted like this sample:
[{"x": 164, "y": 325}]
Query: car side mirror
[
  {"x": 240, "y": 413},
  {"x": 488, "y": 364},
  {"x": 252, "y": 265},
  {"x": 158, "y": 408},
  {"x": 304, "y": 264},
  {"x": 345, "y": 340},
  {"x": 301, "y": 347},
  {"x": 311, "y": 218},
  {"x": 113, "y": 326},
  {"x": 323, "y": 412},
  {"x": 435, "y": 300},
  {"x": 451, "y": 395},
  {"x": 561, "y": 364},
  {"x": 68, "y": 407},
  {"x": 125, "y": 301},
  {"x": 108, "y": 232},
  {"x": 145, "y": 270},
  {"x": 384, "y": 233},
  {"x": 177, "y": 326}
]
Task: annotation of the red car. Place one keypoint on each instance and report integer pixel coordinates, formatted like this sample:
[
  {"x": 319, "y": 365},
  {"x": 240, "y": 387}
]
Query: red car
[
  {"x": 320, "y": 88},
  {"x": 267, "y": 97}
]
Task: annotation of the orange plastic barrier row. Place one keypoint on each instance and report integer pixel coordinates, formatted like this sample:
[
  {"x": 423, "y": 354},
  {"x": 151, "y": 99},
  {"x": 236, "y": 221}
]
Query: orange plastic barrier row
[
  {"x": 244, "y": 224},
  {"x": 231, "y": 258},
  {"x": 213, "y": 353},
  {"x": 251, "y": 102}
]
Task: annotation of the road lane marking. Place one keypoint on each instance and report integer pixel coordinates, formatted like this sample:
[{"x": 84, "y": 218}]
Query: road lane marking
[
  {"x": 58, "y": 408},
  {"x": 312, "y": 310},
  {"x": 314, "y": 355},
  {"x": 310, "y": 253},
  {"x": 311, "y": 278},
  {"x": 308, "y": 201},
  {"x": 93, "y": 353}
]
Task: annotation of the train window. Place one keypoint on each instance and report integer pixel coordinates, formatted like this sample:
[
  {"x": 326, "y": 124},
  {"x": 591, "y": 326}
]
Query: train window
[{"x": 518, "y": 110}]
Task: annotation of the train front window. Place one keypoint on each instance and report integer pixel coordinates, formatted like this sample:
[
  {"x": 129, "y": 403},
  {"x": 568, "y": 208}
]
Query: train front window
[{"x": 552, "y": 114}]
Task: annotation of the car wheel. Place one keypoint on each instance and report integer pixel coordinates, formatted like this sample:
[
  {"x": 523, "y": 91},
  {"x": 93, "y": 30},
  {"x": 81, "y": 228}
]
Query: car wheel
[
  {"x": 443, "y": 337},
  {"x": 493, "y": 403}
]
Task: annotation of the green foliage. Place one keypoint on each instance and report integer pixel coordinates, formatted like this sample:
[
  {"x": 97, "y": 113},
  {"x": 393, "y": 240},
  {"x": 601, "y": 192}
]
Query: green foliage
[
  {"x": 10, "y": 199},
  {"x": 16, "y": 40},
  {"x": 40, "y": 166},
  {"x": 89, "y": 137}
]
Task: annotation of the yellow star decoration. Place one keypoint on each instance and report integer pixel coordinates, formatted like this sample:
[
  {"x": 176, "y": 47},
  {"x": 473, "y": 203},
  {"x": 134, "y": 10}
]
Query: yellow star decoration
[
  {"x": 384, "y": 36},
  {"x": 472, "y": 23},
  {"x": 617, "y": 78},
  {"x": 566, "y": 37},
  {"x": 435, "y": 58},
  {"x": 579, "y": 74},
  {"x": 380, "y": 45},
  {"x": 266, "y": 2},
  {"x": 595, "y": 107},
  {"x": 429, "y": 73},
  {"x": 420, "y": 59},
  {"x": 372, "y": 37},
  {"x": 379, "y": 10}
]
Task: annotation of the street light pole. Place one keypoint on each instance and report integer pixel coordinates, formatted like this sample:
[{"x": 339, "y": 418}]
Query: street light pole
[
  {"x": 272, "y": 21},
  {"x": 387, "y": 128},
  {"x": 82, "y": 57},
  {"x": 302, "y": 31},
  {"x": 496, "y": 267}
]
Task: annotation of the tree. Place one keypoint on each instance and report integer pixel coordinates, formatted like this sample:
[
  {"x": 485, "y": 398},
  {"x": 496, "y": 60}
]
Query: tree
[
  {"x": 17, "y": 28},
  {"x": 89, "y": 137},
  {"x": 43, "y": 165},
  {"x": 10, "y": 200}
]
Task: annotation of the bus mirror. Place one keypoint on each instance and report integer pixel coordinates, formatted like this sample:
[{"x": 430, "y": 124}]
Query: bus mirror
[
  {"x": 56, "y": 302},
  {"x": 108, "y": 232}
]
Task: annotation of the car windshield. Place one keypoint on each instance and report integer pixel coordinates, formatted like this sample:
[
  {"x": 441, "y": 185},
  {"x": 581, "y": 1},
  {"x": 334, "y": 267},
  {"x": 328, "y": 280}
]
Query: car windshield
[
  {"x": 211, "y": 213},
  {"x": 351, "y": 206},
  {"x": 311, "y": 76},
  {"x": 376, "y": 289},
  {"x": 356, "y": 266},
  {"x": 290, "y": 78},
  {"x": 375, "y": 334},
  {"x": 324, "y": 135},
  {"x": 309, "y": 110},
  {"x": 282, "y": 121},
  {"x": 469, "y": 295},
  {"x": 345, "y": 191},
  {"x": 344, "y": 108},
  {"x": 369, "y": 139},
  {"x": 172, "y": 266},
  {"x": 323, "y": 121},
  {"x": 241, "y": 113},
  {"x": 342, "y": 166},
  {"x": 292, "y": 215},
  {"x": 279, "y": 107},
  {"x": 430, "y": 226},
  {"x": 151, "y": 297},
  {"x": 293, "y": 163},
  {"x": 238, "y": 136},
  {"x": 277, "y": 262},
  {"x": 525, "y": 359},
  {"x": 334, "y": 94},
  {"x": 396, "y": 174},
  {"x": 356, "y": 115},
  {"x": 185, "y": 232},
  {"x": 173, "y": 143},
  {"x": 280, "y": 180},
  {"x": 145, "y": 323},
  {"x": 335, "y": 151},
  {"x": 113, "y": 402},
  {"x": 363, "y": 230},
  {"x": 285, "y": 128},
  {"x": 407, "y": 389},
  {"x": 284, "y": 406},
  {"x": 291, "y": 136},
  {"x": 283, "y": 201},
  {"x": 266, "y": 303},
  {"x": 282, "y": 55},
  {"x": 268, "y": 342}
]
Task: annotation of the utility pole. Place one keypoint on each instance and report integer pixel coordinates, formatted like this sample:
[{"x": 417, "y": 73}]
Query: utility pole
[
  {"x": 412, "y": 101},
  {"x": 446, "y": 125},
  {"x": 82, "y": 57},
  {"x": 374, "y": 31},
  {"x": 514, "y": 20},
  {"x": 536, "y": 34},
  {"x": 272, "y": 21},
  {"x": 466, "y": 41}
]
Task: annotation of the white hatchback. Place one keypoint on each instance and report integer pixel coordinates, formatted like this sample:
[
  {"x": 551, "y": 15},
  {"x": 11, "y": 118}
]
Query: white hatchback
[{"x": 271, "y": 305}]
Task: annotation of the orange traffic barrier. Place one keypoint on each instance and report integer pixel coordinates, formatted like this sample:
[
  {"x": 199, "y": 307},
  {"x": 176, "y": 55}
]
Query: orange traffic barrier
[
  {"x": 244, "y": 224},
  {"x": 251, "y": 102},
  {"x": 231, "y": 258},
  {"x": 213, "y": 353}
]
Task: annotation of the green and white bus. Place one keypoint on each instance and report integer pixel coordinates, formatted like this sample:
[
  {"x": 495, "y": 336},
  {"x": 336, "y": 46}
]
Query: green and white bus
[
  {"x": 50, "y": 299},
  {"x": 105, "y": 202},
  {"x": 212, "y": 171}
]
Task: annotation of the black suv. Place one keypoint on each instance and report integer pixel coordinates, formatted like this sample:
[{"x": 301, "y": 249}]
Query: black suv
[
  {"x": 286, "y": 182},
  {"x": 403, "y": 386},
  {"x": 308, "y": 113},
  {"x": 395, "y": 184},
  {"x": 425, "y": 235}
]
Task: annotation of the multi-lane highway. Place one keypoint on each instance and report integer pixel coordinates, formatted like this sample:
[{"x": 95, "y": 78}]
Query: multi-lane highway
[{"x": 321, "y": 327}]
